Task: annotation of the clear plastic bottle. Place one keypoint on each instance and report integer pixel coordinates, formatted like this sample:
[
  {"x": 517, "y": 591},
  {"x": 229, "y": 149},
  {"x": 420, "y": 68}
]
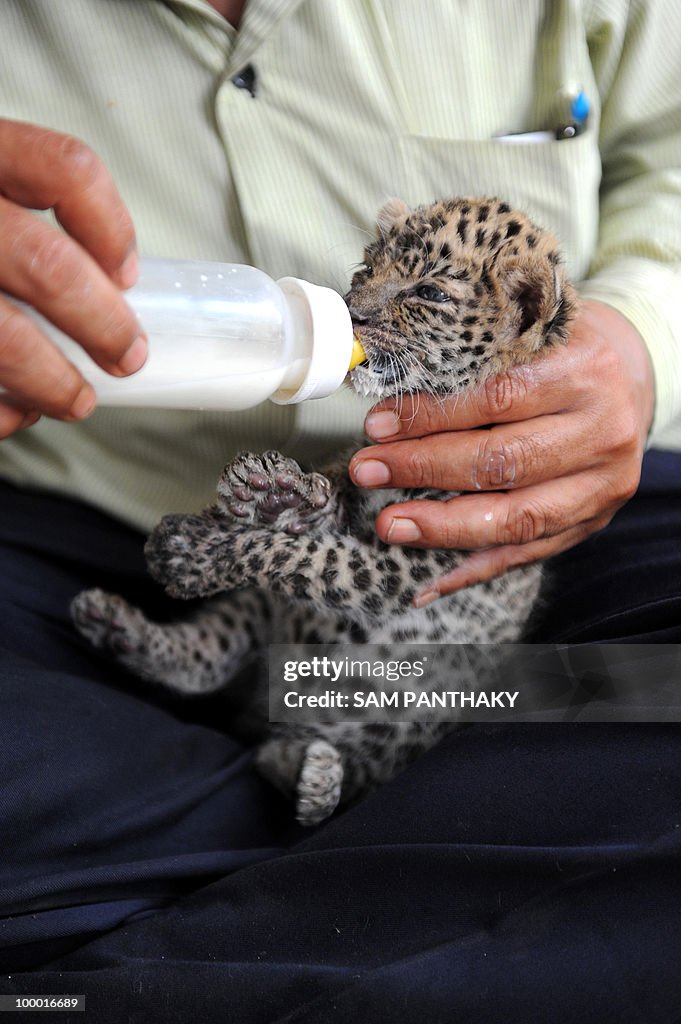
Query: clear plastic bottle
[{"x": 225, "y": 336}]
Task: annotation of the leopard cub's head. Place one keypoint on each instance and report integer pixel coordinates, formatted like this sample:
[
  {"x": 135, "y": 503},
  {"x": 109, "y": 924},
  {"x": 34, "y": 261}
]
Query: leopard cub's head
[{"x": 451, "y": 293}]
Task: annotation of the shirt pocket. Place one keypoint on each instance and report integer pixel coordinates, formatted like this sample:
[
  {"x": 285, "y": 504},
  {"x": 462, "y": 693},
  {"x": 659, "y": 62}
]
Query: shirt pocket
[{"x": 555, "y": 182}]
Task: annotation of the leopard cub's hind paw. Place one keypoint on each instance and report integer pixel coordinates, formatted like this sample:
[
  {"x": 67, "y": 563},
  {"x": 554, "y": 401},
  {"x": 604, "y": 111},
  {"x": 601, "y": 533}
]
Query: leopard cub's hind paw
[
  {"x": 108, "y": 621},
  {"x": 308, "y": 771},
  {"x": 272, "y": 490},
  {"x": 319, "y": 784}
]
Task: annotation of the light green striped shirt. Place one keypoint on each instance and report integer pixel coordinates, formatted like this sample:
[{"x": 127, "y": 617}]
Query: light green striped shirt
[{"x": 357, "y": 100}]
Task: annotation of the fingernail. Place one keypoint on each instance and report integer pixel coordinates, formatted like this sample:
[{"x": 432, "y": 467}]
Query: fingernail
[
  {"x": 128, "y": 271},
  {"x": 403, "y": 531},
  {"x": 370, "y": 473},
  {"x": 135, "y": 357},
  {"x": 425, "y": 598},
  {"x": 380, "y": 425},
  {"x": 29, "y": 420},
  {"x": 84, "y": 404}
]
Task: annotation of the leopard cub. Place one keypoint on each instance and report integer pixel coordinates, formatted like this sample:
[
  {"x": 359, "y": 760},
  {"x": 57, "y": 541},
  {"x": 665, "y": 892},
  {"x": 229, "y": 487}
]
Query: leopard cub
[{"x": 448, "y": 294}]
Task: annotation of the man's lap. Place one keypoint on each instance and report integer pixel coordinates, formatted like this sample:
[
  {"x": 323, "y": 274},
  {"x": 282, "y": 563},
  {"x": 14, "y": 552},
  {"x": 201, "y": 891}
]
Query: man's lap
[
  {"x": 139, "y": 841},
  {"x": 516, "y": 875}
]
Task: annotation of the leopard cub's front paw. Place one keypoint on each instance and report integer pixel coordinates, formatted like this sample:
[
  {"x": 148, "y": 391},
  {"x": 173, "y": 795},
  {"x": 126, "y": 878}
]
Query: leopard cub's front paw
[
  {"x": 272, "y": 490},
  {"x": 181, "y": 553}
]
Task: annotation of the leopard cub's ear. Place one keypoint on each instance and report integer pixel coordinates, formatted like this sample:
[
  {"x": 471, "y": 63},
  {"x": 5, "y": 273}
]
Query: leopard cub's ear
[
  {"x": 393, "y": 211},
  {"x": 545, "y": 301}
]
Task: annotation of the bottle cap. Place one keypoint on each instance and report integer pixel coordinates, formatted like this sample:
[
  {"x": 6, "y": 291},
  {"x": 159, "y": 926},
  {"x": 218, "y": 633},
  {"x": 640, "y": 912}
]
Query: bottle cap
[{"x": 327, "y": 322}]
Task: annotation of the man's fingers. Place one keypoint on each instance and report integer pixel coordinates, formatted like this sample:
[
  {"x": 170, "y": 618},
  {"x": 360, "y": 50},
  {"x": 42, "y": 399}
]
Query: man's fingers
[
  {"x": 494, "y": 562},
  {"x": 41, "y": 169},
  {"x": 53, "y": 274},
  {"x": 13, "y": 418},
  {"x": 518, "y": 394},
  {"x": 72, "y": 278},
  {"x": 35, "y": 374},
  {"x": 501, "y": 518},
  {"x": 508, "y": 456}
]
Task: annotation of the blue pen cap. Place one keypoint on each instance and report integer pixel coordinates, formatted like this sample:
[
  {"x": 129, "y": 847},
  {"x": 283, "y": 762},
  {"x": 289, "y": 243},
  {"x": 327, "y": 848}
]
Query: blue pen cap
[{"x": 580, "y": 107}]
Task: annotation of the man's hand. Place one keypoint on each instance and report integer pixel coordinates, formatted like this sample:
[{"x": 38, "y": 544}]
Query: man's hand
[
  {"x": 73, "y": 277},
  {"x": 562, "y": 455}
]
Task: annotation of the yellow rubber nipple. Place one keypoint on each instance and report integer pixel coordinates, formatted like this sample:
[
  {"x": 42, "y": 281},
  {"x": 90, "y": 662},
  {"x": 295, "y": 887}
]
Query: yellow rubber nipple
[{"x": 358, "y": 354}]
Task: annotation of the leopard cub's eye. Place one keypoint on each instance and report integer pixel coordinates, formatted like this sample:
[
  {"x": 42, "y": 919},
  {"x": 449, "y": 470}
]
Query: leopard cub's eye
[
  {"x": 367, "y": 270},
  {"x": 430, "y": 293}
]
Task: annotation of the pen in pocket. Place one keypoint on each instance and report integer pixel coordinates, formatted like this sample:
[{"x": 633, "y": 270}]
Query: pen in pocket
[{"x": 575, "y": 124}]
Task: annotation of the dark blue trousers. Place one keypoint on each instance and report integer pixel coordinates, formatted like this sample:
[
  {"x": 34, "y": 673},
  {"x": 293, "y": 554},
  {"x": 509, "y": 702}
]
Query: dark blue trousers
[{"x": 520, "y": 873}]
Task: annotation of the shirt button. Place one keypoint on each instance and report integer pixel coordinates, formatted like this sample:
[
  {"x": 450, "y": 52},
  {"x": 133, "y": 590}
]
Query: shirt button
[{"x": 246, "y": 79}]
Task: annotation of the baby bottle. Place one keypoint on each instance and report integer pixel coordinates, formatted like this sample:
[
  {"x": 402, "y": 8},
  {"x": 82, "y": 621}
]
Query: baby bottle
[{"x": 225, "y": 336}]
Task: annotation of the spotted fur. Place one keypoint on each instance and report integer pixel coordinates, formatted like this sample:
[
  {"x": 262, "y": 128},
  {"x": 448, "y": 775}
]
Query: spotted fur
[
  {"x": 452, "y": 293},
  {"x": 447, "y": 295}
]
